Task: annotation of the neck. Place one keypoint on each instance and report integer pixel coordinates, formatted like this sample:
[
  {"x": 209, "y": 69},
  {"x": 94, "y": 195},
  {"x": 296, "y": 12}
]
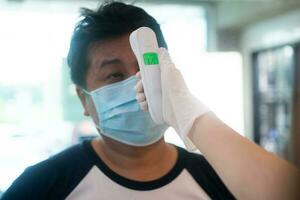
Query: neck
[
  {"x": 127, "y": 156},
  {"x": 140, "y": 163}
]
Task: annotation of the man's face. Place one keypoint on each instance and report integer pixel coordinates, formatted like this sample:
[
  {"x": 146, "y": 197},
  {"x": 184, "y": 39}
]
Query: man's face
[{"x": 111, "y": 61}]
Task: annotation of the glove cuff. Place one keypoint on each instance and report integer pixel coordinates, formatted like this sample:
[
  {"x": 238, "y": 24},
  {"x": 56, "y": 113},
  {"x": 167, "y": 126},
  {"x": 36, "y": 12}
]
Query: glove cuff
[{"x": 186, "y": 121}]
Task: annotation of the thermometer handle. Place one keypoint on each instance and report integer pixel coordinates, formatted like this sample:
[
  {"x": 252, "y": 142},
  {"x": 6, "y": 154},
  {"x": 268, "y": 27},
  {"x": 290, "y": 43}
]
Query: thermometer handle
[{"x": 144, "y": 45}]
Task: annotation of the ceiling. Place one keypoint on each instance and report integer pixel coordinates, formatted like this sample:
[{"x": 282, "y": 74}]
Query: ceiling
[
  {"x": 231, "y": 14},
  {"x": 238, "y": 14}
]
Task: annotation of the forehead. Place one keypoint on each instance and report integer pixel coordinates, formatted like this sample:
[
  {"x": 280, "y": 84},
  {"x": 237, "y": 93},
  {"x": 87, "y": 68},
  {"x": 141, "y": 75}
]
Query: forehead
[{"x": 111, "y": 48}]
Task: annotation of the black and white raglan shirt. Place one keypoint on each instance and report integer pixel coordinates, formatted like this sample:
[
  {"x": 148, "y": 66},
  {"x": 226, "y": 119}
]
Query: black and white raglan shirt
[{"x": 79, "y": 173}]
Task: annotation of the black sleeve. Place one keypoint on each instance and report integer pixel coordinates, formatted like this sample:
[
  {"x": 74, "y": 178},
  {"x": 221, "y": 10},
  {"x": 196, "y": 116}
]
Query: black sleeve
[
  {"x": 206, "y": 176},
  {"x": 31, "y": 184},
  {"x": 53, "y": 178}
]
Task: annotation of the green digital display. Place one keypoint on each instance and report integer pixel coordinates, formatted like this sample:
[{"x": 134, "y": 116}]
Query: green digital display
[{"x": 150, "y": 58}]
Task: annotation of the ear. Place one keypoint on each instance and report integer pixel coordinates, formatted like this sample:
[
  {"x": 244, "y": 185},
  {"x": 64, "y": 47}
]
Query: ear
[{"x": 84, "y": 100}]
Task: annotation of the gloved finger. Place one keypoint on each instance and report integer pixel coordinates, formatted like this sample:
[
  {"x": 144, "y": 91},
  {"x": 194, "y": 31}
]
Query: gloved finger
[
  {"x": 138, "y": 75},
  {"x": 164, "y": 58},
  {"x": 144, "y": 105},
  {"x": 163, "y": 55},
  {"x": 140, "y": 97},
  {"x": 139, "y": 87}
]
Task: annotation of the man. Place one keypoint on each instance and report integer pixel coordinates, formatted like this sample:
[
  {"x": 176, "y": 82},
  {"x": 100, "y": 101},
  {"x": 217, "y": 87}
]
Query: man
[
  {"x": 132, "y": 160},
  {"x": 124, "y": 163}
]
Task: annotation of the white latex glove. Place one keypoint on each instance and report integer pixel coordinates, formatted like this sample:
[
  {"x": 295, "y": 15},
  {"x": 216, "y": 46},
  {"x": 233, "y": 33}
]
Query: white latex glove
[{"x": 180, "y": 107}]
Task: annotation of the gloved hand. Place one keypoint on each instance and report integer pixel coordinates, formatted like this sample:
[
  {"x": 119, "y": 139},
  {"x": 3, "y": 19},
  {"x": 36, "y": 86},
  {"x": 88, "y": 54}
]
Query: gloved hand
[{"x": 180, "y": 107}]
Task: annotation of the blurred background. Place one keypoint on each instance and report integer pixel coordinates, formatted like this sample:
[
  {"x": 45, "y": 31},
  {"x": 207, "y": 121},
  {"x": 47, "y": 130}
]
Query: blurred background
[{"x": 240, "y": 57}]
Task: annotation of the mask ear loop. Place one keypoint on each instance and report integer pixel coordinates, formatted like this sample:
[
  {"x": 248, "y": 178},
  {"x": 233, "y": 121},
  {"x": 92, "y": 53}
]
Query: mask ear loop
[
  {"x": 90, "y": 94},
  {"x": 85, "y": 91}
]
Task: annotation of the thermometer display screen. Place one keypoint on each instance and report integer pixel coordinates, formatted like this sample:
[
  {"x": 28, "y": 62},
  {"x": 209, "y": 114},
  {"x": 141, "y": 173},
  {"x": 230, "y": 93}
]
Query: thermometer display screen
[{"x": 150, "y": 58}]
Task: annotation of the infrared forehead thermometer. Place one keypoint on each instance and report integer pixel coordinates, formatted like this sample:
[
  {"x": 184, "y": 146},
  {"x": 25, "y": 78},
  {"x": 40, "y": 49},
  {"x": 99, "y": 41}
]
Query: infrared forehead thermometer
[{"x": 144, "y": 45}]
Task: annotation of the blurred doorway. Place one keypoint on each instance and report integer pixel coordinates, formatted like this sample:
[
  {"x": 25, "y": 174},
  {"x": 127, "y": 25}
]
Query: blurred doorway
[{"x": 276, "y": 108}]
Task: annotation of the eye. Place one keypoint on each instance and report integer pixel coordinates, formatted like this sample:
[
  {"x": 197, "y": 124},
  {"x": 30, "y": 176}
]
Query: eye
[{"x": 115, "y": 77}]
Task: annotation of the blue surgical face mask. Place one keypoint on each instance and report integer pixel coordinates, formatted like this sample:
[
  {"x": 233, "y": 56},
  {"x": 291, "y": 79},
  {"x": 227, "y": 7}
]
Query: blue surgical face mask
[{"x": 120, "y": 116}]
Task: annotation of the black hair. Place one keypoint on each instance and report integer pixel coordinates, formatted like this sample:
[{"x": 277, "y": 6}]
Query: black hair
[{"x": 110, "y": 20}]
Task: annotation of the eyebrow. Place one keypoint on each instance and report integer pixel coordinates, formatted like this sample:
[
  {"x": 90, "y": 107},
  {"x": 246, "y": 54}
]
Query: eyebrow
[{"x": 110, "y": 62}]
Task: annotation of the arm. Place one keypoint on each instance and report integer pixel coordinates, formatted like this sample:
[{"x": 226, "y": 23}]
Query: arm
[
  {"x": 247, "y": 170},
  {"x": 27, "y": 186}
]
